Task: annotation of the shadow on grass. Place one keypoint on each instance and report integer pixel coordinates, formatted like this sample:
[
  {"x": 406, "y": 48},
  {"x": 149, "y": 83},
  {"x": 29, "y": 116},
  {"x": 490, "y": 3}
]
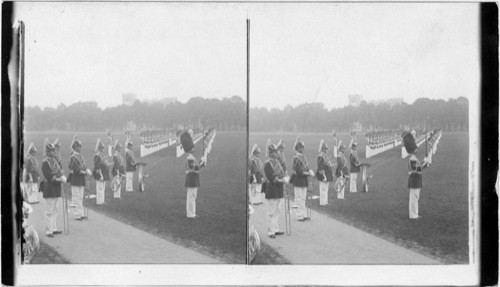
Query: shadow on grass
[
  {"x": 268, "y": 256},
  {"x": 47, "y": 255}
]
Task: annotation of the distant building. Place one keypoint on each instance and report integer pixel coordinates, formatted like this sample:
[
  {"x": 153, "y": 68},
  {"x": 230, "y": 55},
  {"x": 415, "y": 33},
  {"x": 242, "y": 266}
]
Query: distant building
[
  {"x": 355, "y": 100},
  {"x": 129, "y": 99}
]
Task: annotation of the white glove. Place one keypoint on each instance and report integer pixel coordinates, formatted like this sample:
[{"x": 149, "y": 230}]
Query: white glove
[
  {"x": 63, "y": 178},
  {"x": 311, "y": 172},
  {"x": 89, "y": 172}
]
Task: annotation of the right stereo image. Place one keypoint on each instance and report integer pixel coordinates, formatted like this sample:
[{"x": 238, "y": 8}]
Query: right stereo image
[{"x": 359, "y": 139}]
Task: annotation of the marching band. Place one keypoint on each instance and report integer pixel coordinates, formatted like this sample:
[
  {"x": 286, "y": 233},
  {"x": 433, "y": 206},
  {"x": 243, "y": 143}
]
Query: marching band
[{"x": 121, "y": 170}]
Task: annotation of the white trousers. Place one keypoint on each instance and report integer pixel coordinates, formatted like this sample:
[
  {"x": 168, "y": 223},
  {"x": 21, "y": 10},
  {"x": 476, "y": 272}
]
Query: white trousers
[
  {"x": 414, "y": 195},
  {"x": 335, "y": 151},
  {"x": 51, "y": 211},
  {"x": 191, "y": 201},
  {"x": 323, "y": 192},
  {"x": 32, "y": 191},
  {"x": 255, "y": 196},
  {"x": 77, "y": 199},
  {"x": 273, "y": 215},
  {"x": 118, "y": 192},
  {"x": 300, "y": 199},
  {"x": 129, "y": 185},
  {"x": 100, "y": 187},
  {"x": 353, "y": 182}
]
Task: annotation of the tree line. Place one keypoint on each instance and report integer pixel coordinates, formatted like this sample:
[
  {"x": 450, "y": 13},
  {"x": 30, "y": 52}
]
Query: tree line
[
  {"x": 451, "y": 115},
  {"x": 225, "y": 114}
]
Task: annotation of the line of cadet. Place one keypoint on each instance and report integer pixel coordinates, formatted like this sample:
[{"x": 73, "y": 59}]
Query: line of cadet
[
  {"x": 270, "y": 178},
  {"x": 52, "y": 179}
]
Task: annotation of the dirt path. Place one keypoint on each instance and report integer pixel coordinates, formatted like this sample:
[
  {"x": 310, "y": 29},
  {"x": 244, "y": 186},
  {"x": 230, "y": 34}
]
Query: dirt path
[
  {"x": 324, "y": 240},
  {"x": 104, "y": 240}
]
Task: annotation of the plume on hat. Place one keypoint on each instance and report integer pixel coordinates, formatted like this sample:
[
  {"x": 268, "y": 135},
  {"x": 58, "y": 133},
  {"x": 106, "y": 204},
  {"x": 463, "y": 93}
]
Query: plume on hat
[
  {"x": 268, "y": 144},
  {"x": 254, "y": 149},
  {"x": 98, "y": 144},
  {"x": 117, "y": 144},
  {"x": 298, "y": 142},
  {"x": 57, "y": 143},
  {"x": 45, "y": 143},
  {"x": 322, "y": 145},
  {"x": 72, "y": 143},
  {"x": 31, "y": 148},
  {"x": 281, "y": 144}
]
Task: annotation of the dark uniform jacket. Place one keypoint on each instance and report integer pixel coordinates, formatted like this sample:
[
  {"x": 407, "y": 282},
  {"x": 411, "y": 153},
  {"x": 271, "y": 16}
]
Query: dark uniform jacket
[
  {"x": 192, "y": 172},
  {"x": 130, "y": 159},
  {"x": 341, "y": 165},
  {"x": 273, "y": 171},
  {"x": 255, "y": 170},
  {"x": 78, "y": 169},
  {"x": 57, "y": 156},
  {"x": 414, "y": 173},
  {"x": 101, "y": 170},
  {"x": 324, "y": 168},
  {"x": 31, "y": 165},
  {"x": 50, "y": 170},
  {"x": 301, "y": 169},
  {"x": 354, "y": 161},
  {"x": 118, "y": 167}
]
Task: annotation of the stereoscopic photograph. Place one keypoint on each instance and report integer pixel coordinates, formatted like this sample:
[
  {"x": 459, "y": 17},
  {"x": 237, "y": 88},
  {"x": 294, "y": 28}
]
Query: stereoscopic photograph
[
  {"x": 134, "y": 133},
  {"x": 250, "y": 143}
]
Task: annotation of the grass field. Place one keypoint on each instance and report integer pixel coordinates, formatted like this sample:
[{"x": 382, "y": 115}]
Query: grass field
[
  {"x": 220, "y": 231},
  {"x": 442, "y": 232}
]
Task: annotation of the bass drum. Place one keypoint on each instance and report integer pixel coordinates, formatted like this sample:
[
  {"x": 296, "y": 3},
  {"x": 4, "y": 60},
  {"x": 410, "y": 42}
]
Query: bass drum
[{"x": 253, "y": 244}]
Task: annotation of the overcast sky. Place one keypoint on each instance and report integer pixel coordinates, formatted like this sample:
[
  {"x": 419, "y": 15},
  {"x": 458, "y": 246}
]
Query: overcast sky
[
  {"x": 97, "y": 51},
  {"x": 325, "y": 52},
  {"x": 299, "y": 52}
]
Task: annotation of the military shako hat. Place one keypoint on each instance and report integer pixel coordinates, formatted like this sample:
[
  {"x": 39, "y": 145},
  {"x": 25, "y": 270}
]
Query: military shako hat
[{"x": 187, "y": 142}]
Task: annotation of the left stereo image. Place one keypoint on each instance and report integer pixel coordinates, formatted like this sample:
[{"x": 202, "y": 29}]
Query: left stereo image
[{"x": 133, "y": 124}]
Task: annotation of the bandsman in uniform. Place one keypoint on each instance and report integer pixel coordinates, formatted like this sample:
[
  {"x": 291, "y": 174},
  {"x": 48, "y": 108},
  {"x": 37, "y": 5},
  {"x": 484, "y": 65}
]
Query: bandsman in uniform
[
  {"x": 131, "y": 165},
  {"x": 414, "y": 175},
  {"x": 101, "y": 172},
  {"x": 324, "y": 173},
  {"x": 31, "y": 175},
  {"x": 255, "y": 187},
  {"x": 342, "y": 169},
  {"x": 77, "y": 181},
  {"x": 118, "y": 167},
  {"x": 52, "y": 187},
  {"x": 276, "y": 177},
  {"x": 354, "y": 167},
  {"x": 192, "y": 175},
  {"x": 301, "y": 171}
]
